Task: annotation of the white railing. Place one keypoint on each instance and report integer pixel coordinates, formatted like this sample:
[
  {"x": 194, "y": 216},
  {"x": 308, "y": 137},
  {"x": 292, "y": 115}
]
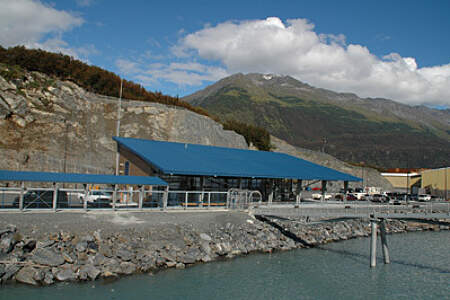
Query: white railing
[
  {"x": 60, "y": 198},
  {"x": 30, "y": 198},
  {"x": 360, "y": 209}
]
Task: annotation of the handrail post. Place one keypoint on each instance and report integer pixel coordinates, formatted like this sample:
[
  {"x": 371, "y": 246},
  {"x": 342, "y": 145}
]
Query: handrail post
[
  {"x": 165, "y": 197},
  {"x": 86, "y": 193},
  {"x": 209, "y": 200},
  {"x": 22, "y": 192},
  {"x": 141, "y": 197},
  {"x": 186, "y": 200},
  {"x": 55, "y": 196},
  {"x": 114, "y": 197}
]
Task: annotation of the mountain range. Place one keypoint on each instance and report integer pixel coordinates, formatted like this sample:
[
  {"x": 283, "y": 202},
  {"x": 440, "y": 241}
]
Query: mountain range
[{"x": 369, "y": 131}]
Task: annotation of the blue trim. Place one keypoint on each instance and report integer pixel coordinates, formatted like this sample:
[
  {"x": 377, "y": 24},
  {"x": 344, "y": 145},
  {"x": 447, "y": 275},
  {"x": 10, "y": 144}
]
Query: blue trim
[
  {"x": 78, "y": 178},
  {"x": 199, "y": 160}
]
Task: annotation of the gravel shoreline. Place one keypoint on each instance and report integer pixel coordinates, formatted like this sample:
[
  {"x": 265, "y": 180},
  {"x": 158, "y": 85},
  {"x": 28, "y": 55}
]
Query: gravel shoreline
[{"x": 42, "y": 248}]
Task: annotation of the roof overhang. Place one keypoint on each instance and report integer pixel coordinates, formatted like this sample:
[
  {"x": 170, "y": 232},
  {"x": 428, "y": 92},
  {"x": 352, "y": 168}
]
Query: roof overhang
[{"x": 28, "y": 176}]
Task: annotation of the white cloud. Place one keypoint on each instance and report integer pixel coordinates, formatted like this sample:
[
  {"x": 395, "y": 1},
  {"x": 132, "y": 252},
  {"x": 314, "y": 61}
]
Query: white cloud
[
  {"x": 184, "y": 74},
  {"x": 128, "y": 67},
  {"x": 28, "y": 21},
  {"x": 294, "y": 48},
  {"x": 35, "y": 25},
  {"x": 57, "y": 45}
]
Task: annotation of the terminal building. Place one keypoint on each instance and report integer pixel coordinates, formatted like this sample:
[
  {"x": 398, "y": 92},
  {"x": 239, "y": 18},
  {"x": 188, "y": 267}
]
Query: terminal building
[{"x": 191, "y": 167}]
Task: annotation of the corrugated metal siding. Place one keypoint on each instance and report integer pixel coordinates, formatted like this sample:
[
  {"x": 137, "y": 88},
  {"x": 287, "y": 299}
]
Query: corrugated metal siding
[
  {"x": 78, "y": 178},
  {"x": 190, "y": 159}
]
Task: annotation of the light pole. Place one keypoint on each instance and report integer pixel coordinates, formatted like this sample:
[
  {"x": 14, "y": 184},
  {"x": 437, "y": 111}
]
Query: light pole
[
  {"x": 362, "y": 174},
  {"x": 119, "y": 107}
]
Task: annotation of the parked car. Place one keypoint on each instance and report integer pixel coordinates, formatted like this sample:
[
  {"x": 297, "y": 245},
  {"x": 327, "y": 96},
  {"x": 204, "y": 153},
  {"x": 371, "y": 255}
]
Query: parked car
[
  {"x": 365, "y": 197},
  {"x": 339, "y": 197},
  {"x": 42, "y": 199},
  {"x": 351, "y": 197},
  {"x": 424, "y": 197},
  {"x": 318, "y": 196},
  {"x": 378, "y": 198}
]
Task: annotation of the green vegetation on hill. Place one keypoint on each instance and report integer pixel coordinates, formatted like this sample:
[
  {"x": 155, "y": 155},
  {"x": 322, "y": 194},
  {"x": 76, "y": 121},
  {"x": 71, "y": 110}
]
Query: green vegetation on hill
[
  {"x": 103, "y": 82},
  {"x": 91, "y": 78},
  {"x": 257, "y": 136}
]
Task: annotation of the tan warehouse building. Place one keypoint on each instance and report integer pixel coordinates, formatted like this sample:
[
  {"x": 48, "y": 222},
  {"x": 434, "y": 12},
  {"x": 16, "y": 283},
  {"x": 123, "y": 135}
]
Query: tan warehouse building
[
  {"x": 404, "y": 182},
  {"x": 436, "y": 181}
]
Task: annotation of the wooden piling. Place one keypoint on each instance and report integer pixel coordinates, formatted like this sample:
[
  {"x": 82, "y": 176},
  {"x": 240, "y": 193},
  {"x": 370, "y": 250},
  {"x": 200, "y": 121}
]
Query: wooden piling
[
  {"x": 373, "y": 244},
  {"x": 384, "y": 244}
]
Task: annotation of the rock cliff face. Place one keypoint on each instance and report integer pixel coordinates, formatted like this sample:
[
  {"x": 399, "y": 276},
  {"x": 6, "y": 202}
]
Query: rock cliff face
[{"x": 50, "y": 125}]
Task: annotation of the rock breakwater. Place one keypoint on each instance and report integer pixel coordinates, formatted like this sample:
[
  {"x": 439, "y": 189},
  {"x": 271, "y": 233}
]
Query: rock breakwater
[{"x": 68, "y": 256}]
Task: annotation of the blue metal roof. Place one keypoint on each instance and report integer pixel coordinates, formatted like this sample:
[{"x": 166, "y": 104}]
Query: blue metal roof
[
  {"x": 78, "y": 178},
  {"x": 190, "y": 159}
]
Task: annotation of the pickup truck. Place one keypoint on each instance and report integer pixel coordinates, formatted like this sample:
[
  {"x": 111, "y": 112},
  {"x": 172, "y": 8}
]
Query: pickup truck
[
  {"x": 424, "y": 197},
  {"x": 96, "y": 196}
]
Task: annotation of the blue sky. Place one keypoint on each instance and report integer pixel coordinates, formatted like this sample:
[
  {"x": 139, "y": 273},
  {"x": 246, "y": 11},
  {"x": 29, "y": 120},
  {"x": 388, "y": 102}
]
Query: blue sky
[{"x": 393, "y": 49}]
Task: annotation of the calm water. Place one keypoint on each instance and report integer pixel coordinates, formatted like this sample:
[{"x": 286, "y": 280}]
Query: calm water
[{"x": 419, "y": 269}]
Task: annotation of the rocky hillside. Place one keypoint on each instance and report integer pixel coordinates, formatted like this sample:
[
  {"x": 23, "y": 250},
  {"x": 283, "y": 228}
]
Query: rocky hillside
[
  {"x": 46, "y": 124},
  {"x": 374, "y": 131},
  {"x": 52, "y": 125}
]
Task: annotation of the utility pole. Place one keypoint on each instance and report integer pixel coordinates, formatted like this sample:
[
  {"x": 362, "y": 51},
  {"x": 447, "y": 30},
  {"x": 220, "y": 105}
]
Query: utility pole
[
  {"x": 65, "y": 146},
  {"x": 362, "y": 174},
  {"x": 118, "y": 126},
  {"x": 446, "y": 187}
]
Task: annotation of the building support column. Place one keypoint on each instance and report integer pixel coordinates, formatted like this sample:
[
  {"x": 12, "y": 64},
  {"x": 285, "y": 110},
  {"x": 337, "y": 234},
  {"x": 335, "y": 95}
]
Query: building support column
[
  {"x": 324, "y": 189},
  {"x": 165, "y": 197},
  {"x": 344, "y": 198},
  {"x": 298, "y": 196},
  {"x": 271, "y": 184}
]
